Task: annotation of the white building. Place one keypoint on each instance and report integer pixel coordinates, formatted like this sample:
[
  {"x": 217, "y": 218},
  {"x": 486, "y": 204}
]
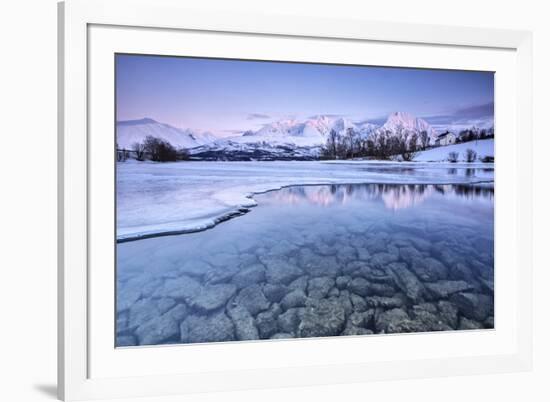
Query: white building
[{"x": 446, "y": 138}]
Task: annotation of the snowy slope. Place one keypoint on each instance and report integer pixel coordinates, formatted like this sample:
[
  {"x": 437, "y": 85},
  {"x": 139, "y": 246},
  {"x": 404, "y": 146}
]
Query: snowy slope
[
  {"x": 401, "y": 121},
  {"x": 366, "y": 128},
  {"x": 131, "y": 131},
  {"x": 482, "y": 147},
  {"x": 282, "y": 132},
  {"x": 309, "y": 133},
  {"x": 314, "y": 132},
  {"x": 283, "y": 139}
]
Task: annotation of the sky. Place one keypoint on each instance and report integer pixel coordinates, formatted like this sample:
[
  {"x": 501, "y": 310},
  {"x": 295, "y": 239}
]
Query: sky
[{"x": 227, "y": 97}]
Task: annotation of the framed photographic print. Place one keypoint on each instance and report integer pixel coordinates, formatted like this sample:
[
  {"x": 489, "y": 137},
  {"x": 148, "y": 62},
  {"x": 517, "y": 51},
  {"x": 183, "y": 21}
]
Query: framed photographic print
[{"x": 244, "y": 196}]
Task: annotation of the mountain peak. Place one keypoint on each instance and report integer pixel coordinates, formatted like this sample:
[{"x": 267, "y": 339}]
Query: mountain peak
[
  {"x": 403, "y": 117},
  {"x": 145, "y": 120},
  {"x": 130, "y": 132},
  {"x": 406, "y": 121}
]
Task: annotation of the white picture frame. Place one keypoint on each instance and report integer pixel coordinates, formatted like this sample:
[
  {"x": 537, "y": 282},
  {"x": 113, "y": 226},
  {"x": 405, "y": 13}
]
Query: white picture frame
[{"x": 80, "y": 377}]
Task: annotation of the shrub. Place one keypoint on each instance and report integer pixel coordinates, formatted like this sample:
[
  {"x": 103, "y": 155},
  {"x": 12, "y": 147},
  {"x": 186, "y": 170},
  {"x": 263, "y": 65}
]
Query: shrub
[
  {"x": 139, "y": 150},
  {"x": 470, "y": 155},
  {"x": 159, "y": 150},
  {"x": 453, "y": 157},
  {"x": 408, "y": 156}
]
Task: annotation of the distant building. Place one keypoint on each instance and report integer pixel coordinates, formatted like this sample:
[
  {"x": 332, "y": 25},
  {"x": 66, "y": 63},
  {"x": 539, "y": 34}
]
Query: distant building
[{"x": 446, "y": 138}]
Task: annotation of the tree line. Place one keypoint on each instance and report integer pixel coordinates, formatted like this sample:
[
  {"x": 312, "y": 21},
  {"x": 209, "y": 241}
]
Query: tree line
[
  {"x": 152, "y": 148},
  {"x": 384, "y": 144},
  {"x": 473, "y": 134},
  {"x": 379, "y": 145},
  {"x": 470, "y": 156}
]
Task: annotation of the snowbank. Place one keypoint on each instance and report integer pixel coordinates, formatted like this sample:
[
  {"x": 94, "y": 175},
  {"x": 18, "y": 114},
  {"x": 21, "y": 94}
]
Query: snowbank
[
  {"x": 482, "y": 147},
  {"x": 162, "y": 198}
]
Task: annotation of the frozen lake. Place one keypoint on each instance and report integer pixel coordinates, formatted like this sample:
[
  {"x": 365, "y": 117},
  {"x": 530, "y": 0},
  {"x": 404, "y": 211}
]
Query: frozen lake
[
  {"x": 181, "y": 197},
  {"x": 308, "y": 260}
]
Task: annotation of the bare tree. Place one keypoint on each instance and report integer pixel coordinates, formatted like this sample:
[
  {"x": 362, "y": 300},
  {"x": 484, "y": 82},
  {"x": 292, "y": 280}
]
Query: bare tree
[
  {"x": 424, "y": 139},
  {"x": 413, "y": 142},
  {"x": 159, "y": 149},
  {"x": 341, "y": 148},
  {"x": 351, "y": 142},
  {"x": 369, "y": 147},
  {"x": 381, "y": 146},
  {"x": 361, "y": 146},
  {"x": 453, "y": 157},
  {"x": 408, "y": 156},
  {"x": 470, "y": 155},
  {"x": 408, "y": 147},
  {"x": 332, "y": 144},
  {"x": 139, "y": 149}
]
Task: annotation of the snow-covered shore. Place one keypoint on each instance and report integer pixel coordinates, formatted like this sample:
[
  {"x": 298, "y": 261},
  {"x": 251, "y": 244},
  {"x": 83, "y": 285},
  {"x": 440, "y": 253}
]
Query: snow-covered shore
[
  {"x": 162, "y": 198},
  {"x": 482, "y": 147}
]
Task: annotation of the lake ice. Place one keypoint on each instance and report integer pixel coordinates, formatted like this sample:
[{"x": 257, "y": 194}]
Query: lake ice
[
  {"x": 155, "y": 198},
  {"x": 307, "y": 260}
]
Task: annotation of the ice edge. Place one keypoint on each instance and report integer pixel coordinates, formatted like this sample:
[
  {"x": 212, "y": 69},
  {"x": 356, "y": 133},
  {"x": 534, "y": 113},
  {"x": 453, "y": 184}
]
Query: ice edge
[{"x": 240, "y": 210}]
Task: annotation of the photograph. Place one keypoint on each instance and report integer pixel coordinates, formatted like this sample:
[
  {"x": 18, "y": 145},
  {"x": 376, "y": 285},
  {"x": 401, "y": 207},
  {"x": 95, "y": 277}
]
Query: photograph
[{"x": 260, "y": 200}]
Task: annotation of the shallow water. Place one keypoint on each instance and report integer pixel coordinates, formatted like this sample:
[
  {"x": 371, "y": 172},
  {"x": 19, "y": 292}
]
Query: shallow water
[{"x": 317, "y": 261}]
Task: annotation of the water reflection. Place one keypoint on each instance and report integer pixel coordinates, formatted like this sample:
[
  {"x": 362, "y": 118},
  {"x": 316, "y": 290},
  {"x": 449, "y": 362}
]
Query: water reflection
[
  {"x": 470, "y": 172},
  {"x": 393, "y": 196},
  {"x": 391, "y": 169},
  {"x": 341, "y": 250}
]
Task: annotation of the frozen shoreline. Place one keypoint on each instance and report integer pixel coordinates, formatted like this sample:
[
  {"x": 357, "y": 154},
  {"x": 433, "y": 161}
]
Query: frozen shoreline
[
  {"x": 173, "y": 198},
  {"x": 481, "y": 147}
]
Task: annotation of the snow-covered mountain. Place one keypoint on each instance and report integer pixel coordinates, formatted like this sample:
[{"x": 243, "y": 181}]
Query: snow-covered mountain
[
  {"x": 282, "y": 139},
  {"x": 406, "y": 123},
  {"x": 312, "y": 132},
  {"x": 366, "y": 128},
  {"x": 129, "y": 132},
  {"x": 284, "y": 132},
  {"x": 304, "y": 139},
  {"x": 233, "y": 150}
]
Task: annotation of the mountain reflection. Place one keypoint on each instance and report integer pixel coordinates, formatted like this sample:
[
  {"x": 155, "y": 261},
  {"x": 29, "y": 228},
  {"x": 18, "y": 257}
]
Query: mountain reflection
[{"x": 393, "y": 196}]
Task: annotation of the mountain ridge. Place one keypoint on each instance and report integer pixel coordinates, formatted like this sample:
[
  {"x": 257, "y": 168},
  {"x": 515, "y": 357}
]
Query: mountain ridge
[
  {"x": 280, "y": 139},
  {"x": 129, "y": 132},
  {"x": 314, "y": 132}
]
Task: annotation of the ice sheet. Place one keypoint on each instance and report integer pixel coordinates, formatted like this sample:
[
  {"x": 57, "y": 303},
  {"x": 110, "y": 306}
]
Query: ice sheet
[{"x": 179, "y": 197}]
